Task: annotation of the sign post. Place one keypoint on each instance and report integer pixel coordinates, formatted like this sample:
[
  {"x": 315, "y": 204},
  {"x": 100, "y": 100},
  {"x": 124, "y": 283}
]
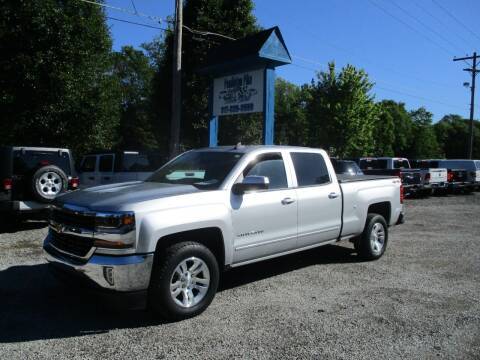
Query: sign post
[{"x": 244, "y": 80}]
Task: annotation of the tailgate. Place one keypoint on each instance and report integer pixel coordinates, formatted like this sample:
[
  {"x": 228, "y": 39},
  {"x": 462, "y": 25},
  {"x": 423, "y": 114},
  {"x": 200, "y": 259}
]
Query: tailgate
[{"x": 438, "y": 175}]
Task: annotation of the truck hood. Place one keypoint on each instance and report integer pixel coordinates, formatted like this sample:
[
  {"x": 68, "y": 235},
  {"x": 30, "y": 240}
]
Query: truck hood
[{"x": 112, "y": 197}]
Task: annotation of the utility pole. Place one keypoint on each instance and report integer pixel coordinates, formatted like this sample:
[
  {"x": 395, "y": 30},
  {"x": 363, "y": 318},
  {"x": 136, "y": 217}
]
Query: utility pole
[
  {"x": 474, "y": 72},
  {"x": 176, "y": 81}
]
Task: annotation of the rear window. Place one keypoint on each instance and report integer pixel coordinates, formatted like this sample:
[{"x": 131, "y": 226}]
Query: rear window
[
  {"x": 367, "y": 164},
  {"x": 88, "y": 164},
  {"x": 140, "y": 162},
  {"x": 29, "y": 160},
  {"x": 106, "y": 163},
  {"x": 401, "y": 164},
  {"x": 310, "y": 169},
  {"x": 457, "y": 164}
]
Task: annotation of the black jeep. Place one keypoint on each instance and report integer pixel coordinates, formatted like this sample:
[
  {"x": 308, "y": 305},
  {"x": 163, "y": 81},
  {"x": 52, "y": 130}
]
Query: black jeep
[{"x": 31, "y": 177}]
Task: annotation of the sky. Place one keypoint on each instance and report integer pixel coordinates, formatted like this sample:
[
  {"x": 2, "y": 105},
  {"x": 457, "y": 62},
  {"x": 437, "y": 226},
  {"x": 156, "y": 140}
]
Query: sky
[{"x": 406, "y": 46}]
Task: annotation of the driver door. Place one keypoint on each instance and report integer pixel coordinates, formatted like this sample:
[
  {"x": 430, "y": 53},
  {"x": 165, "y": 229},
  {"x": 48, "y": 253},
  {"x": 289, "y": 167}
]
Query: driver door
[{"x": 265, "y": 221}]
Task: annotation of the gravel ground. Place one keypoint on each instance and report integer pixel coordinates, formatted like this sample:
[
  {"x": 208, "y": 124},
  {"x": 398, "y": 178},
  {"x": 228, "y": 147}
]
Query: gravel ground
[{"x": 421, "y": 300}]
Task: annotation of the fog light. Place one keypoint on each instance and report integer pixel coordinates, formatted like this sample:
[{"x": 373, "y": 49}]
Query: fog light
[{"x": 108, "y": 274}]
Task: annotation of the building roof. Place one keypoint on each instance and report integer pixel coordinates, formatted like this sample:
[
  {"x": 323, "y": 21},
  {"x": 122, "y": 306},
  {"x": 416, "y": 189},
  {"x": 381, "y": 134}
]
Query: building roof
[{"x": 265, "y": 48}]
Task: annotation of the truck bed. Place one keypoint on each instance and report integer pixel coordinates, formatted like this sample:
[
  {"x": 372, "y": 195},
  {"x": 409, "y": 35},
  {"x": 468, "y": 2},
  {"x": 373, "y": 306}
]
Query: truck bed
[{"x": 349, "y": 178}]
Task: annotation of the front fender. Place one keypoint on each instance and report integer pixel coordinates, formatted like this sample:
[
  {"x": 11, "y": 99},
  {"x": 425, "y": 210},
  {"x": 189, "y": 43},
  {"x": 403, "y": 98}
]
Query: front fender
[{"x": 156, "y": 225}]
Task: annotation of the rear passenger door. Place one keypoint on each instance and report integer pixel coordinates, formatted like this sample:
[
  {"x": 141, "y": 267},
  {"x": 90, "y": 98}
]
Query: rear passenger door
[{"x": 319, "y": 199}]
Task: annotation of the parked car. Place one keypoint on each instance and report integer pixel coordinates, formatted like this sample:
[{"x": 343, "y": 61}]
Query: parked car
[
  {"x": 31, "y": 177},
  {"x": 346, "y": 167},
  {"x": 436, "y": 180},
  {"x": 116, "y": 167},
  {"x": 210, "y": 209},
  {"x": 413, "y": 180},
  {"x": 464, "y": 175}
]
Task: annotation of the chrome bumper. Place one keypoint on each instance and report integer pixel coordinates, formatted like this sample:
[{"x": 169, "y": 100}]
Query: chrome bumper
[{"x": 118, "y": 273}]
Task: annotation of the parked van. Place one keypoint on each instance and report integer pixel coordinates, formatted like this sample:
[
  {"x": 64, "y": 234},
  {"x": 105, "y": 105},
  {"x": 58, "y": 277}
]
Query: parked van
[{"x": 116, "y": 167}]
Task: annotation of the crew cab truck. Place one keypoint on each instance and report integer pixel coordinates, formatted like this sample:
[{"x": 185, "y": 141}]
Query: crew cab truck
[
  {"x": 167, "y": 238},
  {"x": 436, "y": 179},
  {"x": 415, "y": 181}
]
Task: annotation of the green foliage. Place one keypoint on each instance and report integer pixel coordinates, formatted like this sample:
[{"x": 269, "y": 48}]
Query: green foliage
[
  {"x": 384, "y": 133},
  {"x": 402, "y": 127},
  {"x": 291, "y": 126},
  {"x": 424, "y": 144},
  {"x": 135, "y": 74},
  {"x": 233, "y": 18},
  {"x": 341, "y": 112},
  {"x": 56, "y": 86},
  {"x": 453, "y": 134}
]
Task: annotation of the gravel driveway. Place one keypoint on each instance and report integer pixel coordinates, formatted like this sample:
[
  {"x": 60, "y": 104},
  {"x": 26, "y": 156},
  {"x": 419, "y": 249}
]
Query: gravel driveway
[{"x": 420, "y": 301}]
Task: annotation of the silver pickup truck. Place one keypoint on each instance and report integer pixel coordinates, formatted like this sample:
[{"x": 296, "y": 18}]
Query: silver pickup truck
[{"x": 167, "y": 239}]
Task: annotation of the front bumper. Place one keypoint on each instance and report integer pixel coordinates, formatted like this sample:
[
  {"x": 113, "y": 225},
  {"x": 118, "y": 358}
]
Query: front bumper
[{"x": 117, "y": 273}]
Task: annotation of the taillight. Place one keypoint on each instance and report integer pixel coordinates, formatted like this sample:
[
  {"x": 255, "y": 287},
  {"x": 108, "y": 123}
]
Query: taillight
[
  {"x": 450, "y": 176},
  {"x": 402, "y": 194},
  {"x": 427, "y": 177},
  {"x": 74, "y": 182},
  {"x": 398, "y": 174},
  {"x": 7, "y": 184}
]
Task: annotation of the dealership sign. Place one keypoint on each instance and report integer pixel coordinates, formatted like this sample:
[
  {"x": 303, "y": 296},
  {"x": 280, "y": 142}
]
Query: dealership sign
[{"x": 240, "y": 93}]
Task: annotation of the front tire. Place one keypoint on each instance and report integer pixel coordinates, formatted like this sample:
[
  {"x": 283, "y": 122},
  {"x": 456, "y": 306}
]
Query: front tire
[
  {"x": 372, "y": 243},
  {"x": 184, "y": 281}
]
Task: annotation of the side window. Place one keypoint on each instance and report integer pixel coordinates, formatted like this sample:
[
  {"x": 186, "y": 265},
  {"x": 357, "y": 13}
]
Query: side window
[
  {"x": 106, "y": 163},
  {"x": 310, "y": 169},
  {"x": 271, "y": 166},
  {"x": 88, "y": 164}
]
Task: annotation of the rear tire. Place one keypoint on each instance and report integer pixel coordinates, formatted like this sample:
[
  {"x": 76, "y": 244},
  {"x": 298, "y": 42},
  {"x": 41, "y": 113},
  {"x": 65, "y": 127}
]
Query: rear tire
[
  {"x": 184, "y": 281},
  {"x": 372, "y": 243}
]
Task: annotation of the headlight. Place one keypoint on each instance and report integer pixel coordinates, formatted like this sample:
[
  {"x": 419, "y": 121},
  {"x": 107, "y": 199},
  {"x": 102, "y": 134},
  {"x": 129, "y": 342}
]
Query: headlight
[
  {"x": 114, "y": 230},
  {"x": 122, "y": 221}
]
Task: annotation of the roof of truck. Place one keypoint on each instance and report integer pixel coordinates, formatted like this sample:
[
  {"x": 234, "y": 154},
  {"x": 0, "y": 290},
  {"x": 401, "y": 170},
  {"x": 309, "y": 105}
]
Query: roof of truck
[{"x": 250, "y": 148}]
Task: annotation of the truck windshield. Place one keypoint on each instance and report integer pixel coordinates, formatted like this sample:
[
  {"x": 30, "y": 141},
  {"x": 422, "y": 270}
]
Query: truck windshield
[{"x": 202, "y": 169}]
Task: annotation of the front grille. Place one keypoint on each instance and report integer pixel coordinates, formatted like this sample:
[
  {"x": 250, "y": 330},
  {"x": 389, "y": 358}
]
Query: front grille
[
  {"x": 66, "y": 217},
  {"x": 72, "y": 244}
]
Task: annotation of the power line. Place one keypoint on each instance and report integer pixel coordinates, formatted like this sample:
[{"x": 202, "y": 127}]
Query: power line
[
  {"x": 426, "y": 26},
  {"x": 410, "y": 26},
  {"x": 379, "y": 65},
  {"x": 126, "y": 11},
  {"x": 430, "y": 100},
  {"x": 442, "y": 23},
  {"x": 206, "y": 33},
  {"x": 455, "y": 19},
  {"x": 136, "y": 23}
]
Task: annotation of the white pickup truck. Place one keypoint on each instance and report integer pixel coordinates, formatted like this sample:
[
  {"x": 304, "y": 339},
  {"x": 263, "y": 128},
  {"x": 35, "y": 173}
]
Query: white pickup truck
[{"x": 167, "y": 239}]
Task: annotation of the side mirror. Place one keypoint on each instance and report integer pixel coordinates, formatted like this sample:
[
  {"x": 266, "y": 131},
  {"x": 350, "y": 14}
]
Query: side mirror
[{"x": 251, "y": 183}]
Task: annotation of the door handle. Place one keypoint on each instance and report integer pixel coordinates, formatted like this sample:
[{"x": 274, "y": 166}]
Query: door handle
[
  {"x": 287, "y": 201},
  {"x": 106, "y": 178},
  {"x": 333, "y": 195},
  {"x": 91, "y": 178}
]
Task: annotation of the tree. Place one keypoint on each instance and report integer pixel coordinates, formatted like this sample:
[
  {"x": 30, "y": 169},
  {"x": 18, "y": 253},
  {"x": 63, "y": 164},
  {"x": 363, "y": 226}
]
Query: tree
[
  {"x": 341, "y": 111},
  {"x": 384, "y": 133},
  {"x": 453, "y": 134},
  {"x": 56, "y": 83},
  {"x": 424, "y": 144},
  {"x": 233, "y": 18},
  {"x": 135, "y": 74},
  {"x": 402, "y": 126},
  {"x": 291, "y": 126}
]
